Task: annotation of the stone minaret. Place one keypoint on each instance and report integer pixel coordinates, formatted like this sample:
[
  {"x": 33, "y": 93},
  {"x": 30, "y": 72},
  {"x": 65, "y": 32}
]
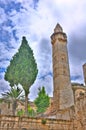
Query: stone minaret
[
  {"x": 84, "y": 71},
  {"x": 63, "y": 94}
]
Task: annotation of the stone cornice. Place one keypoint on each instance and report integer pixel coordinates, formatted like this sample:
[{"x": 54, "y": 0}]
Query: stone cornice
[{"x": 56, "y": 35}]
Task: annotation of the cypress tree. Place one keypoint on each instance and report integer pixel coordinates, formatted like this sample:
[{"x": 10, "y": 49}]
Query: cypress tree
[{"x": 22, "y": 69}]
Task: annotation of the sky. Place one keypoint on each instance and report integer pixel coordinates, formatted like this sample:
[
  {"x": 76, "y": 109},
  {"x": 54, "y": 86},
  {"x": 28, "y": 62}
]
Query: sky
[{"x": 36, "y": 19}]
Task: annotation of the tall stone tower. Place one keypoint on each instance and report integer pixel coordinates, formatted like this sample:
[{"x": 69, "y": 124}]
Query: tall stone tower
[
  {"x": 84, "y": 71},
  {"x": 63, "y": 94}
]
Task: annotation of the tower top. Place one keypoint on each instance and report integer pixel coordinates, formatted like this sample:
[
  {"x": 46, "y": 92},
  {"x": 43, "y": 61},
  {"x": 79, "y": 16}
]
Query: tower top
[
  {"x": 58, "y": 28},
  {"x": 58, "y": 35},
  {"x": 84, "y": 64}
]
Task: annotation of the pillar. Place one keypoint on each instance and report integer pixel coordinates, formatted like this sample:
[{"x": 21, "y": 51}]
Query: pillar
[{"x": 63, "y": 94}]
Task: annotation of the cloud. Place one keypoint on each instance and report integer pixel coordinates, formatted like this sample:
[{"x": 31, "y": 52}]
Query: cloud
[
  {"x": 2, "y": 15},
  {"x": 77, "y": 52},
  {"x": 4, "y": 86},
  {"x": 44, "y": 59}
]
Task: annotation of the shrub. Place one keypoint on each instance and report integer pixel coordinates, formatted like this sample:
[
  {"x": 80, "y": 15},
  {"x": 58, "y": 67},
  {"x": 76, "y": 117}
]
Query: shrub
[{"x": 20, "y": 113}]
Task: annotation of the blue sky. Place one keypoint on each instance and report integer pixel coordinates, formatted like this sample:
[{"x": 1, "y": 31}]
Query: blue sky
[{"x": 36, "y": 19}]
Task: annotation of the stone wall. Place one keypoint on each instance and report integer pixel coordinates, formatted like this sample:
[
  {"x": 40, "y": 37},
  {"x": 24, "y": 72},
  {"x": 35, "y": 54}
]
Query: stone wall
[
  {"x": 25, "y": 123},
  {"x": 80, "y": 112},
  {"x": 6, "y": 108},
  {"x": 84, "y": 72}
]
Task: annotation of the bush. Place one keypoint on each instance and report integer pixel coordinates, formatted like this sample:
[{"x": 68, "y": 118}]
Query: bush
[
  {"x": 43, "y": 121},
  {"x": 42, "y": 101},
  {"x": 20, "y": 113},
  {"x": 31, "y": 112}
]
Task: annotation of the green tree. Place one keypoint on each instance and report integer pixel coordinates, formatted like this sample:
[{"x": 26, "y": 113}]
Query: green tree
[
  {"x": 13, "y": 95},
  {"x": 31, "y": 111},
  {"x": 42, "y": 101},
  {"x": 22, "y": 69}
]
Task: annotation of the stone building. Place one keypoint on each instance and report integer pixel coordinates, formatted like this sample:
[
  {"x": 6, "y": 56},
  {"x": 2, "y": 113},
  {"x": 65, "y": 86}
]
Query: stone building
[
  {"x": 84, "y": 71},
  {"x": 63, "y": 93},
  {"x": 6, "y": 107},
  {"x": 68, "y": 108},
  {"x": 66, "y": 94}
]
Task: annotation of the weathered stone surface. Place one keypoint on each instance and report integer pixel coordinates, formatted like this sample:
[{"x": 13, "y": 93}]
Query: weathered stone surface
[
  {"x": 65, "y": 98},
  {"x": 25, "y": 123},
  {"x": 80, "y": 112},
  {"x": 84, "y": 71},
  {"x": 63, "y": 94}
]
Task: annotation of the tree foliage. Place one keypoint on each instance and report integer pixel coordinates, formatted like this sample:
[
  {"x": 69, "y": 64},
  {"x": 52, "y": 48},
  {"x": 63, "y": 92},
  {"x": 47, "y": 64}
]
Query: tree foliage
[
  {"x": 22, "y": 69},
  {"x": 31, "y": 111},
  {"x": 42, "y": 101},
  {"x": 13, "y": 95}
]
